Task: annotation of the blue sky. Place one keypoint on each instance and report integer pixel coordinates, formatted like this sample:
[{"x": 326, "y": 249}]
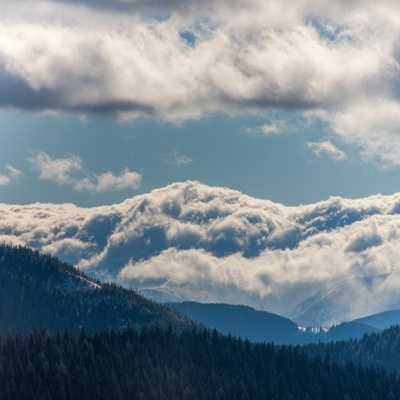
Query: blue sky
[
  {"x": 101, "y": 101},
  {"x": 216, "y": 151}
]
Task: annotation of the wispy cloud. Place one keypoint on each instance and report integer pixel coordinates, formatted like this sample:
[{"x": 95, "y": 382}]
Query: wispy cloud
[
  {"x": 270, "y": 128},
  {"x": 177, "y": 159},
  {"x": 70, "y": 171},
  {"x": 326, "y": 148},
  {"x": 11, "y": 176}
]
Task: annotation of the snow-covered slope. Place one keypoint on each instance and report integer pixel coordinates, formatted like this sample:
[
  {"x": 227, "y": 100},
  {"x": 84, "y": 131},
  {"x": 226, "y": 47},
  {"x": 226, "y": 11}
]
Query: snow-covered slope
[
  {"x": 343, "y": 301},
  {"x": 189, "y": 241}
]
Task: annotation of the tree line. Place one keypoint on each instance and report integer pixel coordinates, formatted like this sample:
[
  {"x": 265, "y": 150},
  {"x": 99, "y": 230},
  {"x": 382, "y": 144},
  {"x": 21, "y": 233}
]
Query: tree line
[{"x": 157, "y": 363}]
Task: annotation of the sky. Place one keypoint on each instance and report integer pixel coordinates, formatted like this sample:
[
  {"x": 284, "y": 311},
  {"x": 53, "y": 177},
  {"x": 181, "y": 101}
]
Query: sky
[
  {"x": 293, "y": 102},
  {"x": 104, "y": 100}
]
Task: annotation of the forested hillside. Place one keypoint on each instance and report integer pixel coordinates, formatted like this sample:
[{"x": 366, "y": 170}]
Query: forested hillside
[
  {"x": 158, "y": 364},
  {"x": 65, "y": 336},
  {"x": 39, "y": 291},
  {"x": 376, "y": 349}
]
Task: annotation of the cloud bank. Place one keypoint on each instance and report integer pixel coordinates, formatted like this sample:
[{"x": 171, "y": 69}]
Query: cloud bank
[
  {"x": 337, "y": 62},
  {"x": 191, "y": 241}
]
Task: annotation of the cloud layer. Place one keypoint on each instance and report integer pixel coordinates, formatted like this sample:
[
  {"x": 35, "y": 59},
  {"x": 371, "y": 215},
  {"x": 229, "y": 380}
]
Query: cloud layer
[
  {"x": 191, "y": 241},
  {"x": 176, "y": 60}
]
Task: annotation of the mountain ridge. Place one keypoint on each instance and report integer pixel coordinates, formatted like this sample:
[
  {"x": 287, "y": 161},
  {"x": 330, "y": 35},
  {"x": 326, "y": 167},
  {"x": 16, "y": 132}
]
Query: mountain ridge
[
  {"x": 261, "y": 326},
  {"x": 38, "y": 291},
  {"x": 382, "y": 320}
]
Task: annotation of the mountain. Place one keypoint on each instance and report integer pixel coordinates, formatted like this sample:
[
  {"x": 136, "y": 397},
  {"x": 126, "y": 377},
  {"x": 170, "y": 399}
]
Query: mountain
[
  {"x": 382, "y": 320},
  {"x": 189, "y": 241},
  {"x": 347, "y": 330},
  {"x": 39, "y": 291},
  {"x": 131, "y": 347},
  {"x": 331, "y": 305},
  {"x": 241, "y": 321},
  {"x": 260, "y": 326}
]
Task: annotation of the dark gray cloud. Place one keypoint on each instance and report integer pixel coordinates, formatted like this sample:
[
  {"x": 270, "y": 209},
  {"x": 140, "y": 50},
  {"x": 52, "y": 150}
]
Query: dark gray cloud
[{"x": 15, "y": 93}]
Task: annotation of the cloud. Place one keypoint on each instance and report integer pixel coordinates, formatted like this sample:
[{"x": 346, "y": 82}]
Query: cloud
[
  {"x": 326, "y": 148},
  {"x": 95, "y": 64},
  {"x": 177, "y": 159},
  {"x": 292, "y": 245},
  {"x": 275, "y": 127},
  {"x": 192, "y": 241},
  {"x": 374, "y": 127},
  {"x": 132, "y": 58},
  {"x": 279, "y": 279},
  {"x": 69, "y": 171},
  {"x": 56, "y": 170},
  {"x": 109, "y": 182},
  {"x": 12, "y": 175}
]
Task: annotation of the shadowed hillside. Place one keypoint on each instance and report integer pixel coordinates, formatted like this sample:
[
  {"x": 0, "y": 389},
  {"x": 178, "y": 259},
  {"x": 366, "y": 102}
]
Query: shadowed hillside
[{"x": 39, "y": 291}]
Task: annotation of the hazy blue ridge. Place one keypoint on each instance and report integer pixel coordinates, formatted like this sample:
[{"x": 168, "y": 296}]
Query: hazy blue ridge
[
  {"x": 260, "y": 326},
  {"x": 382, "y": 320}
]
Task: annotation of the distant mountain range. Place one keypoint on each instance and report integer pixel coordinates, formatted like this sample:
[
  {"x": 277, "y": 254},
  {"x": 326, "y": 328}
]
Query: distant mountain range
[
  {"x": 39, "y": 291},
  {"x": 261, "y": 326},
  {"x": 319, "y": 264},
  {"x": 382, "y": 320}
]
